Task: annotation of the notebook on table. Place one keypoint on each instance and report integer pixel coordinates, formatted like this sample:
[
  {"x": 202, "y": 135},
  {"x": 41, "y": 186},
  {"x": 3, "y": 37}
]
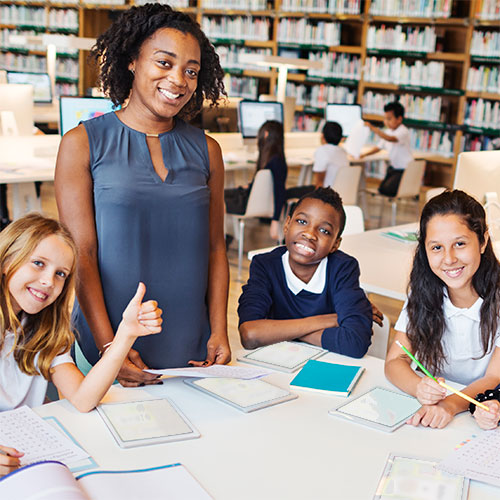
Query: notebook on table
[
  {"x": 379, "y": 408},
  {"x": 284, "y": 356},
  {"x": 329, "y": 378}
]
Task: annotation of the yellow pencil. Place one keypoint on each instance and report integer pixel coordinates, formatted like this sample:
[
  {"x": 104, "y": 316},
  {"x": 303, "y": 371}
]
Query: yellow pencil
[{"x": 462, "y": 395}]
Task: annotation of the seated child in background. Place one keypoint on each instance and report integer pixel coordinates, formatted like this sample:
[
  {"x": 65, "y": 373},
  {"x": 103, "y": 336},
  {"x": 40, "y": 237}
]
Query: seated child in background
[
  {"x": 396, "y": 141},
  {"x": 329, "y": 158},
  {"x": 308, "y": 290},
  {"x": 37, "y": 260},
  {"x": 450, "y": 320}
]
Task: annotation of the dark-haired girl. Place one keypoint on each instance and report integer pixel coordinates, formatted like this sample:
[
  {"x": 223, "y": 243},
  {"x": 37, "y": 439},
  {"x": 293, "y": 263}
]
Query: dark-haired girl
[
  {"x": 142, "y": 194},
  {"x": 450, "y": 321},
  {"x": 271, "y": 144}
]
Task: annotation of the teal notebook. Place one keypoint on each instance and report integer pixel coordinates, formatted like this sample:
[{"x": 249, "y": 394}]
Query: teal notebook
[{"x": 331, "y": 378}]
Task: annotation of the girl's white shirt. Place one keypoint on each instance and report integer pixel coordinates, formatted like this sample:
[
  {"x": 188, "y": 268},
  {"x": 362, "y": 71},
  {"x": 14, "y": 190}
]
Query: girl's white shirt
[
  {"x": 17, "y": 388},
  {"x": 461, "y": 342}
]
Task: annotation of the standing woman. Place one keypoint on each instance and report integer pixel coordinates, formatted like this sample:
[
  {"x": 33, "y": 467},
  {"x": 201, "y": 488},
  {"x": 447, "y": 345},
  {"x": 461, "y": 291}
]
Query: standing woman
[{"x": 142, "y": 194}]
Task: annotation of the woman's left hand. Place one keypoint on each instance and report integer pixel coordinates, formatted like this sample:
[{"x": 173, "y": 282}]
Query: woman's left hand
[
  {"x": 218, "y": 352},
  {"x": 436, "y": 416}
]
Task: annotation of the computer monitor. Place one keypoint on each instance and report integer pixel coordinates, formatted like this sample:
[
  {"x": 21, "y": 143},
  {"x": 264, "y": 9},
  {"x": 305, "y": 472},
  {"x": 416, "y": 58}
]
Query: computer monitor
[
  {"x": 478, "y": 173},
  {"x": 346, "y": 115},
  {"x": 18, "y": 98},
  {"x": 42, "y": 91},
  {"x": 73, "y": 110},
  {"x": 252, "y": 114}
]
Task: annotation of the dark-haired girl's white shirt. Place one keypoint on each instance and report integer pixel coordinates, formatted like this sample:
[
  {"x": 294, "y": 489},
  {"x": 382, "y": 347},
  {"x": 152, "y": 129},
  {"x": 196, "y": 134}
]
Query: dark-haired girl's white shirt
[
  {"x": 18, "y": 388},
  {"x": 461, "y": 340}
]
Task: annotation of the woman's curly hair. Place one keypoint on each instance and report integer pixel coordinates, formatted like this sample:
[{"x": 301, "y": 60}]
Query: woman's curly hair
[{"x": 120, "y": 44}]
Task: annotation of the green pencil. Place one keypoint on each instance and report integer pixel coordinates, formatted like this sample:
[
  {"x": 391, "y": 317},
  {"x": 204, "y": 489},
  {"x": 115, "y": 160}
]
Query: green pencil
[{"x": 413, "y": 358}]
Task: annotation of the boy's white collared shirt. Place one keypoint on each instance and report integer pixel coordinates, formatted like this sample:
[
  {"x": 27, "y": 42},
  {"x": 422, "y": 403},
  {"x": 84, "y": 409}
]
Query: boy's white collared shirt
[{"x": 296, "y": 285}]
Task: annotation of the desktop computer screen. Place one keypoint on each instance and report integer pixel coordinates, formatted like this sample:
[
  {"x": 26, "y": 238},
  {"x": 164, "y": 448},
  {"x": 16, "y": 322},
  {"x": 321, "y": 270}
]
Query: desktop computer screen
[
  {"x": 42, "y": 92},
  {"x": 73, "y": 110},
  {"x": 252, "y": 114},
  {"x": 346, "y": 115}
]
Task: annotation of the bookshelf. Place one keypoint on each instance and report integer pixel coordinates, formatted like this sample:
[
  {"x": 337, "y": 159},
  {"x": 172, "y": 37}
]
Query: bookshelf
[{"x": 442, "y": 61}]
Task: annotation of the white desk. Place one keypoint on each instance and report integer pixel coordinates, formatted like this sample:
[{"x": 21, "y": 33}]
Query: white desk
[
  {"x": 294, "y": 450},
  {"x": 24, "y": 160},
  {"x": 385, "y": 263}
]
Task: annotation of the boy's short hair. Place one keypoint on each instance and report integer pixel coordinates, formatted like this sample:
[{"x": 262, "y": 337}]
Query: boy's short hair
[
  {"x": 329, "y": 196},
  {"x": 396, "y": 108},
  {"x": 332, "y": 132}
]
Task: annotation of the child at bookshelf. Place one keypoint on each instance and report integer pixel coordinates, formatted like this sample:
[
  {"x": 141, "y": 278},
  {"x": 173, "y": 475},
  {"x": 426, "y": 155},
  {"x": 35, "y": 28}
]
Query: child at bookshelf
[
  {"x": 271, "y": 144},
  {"x": 308, "y": 290},
  {"x": 396, "y": 141},
  {"x": 37, "y": 259},
  {"x": 329, "y": 158},
  {"x": 450, "y": 320}
]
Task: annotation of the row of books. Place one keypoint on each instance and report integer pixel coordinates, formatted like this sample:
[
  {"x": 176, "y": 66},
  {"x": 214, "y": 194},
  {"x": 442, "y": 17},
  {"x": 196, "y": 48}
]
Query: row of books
[
  {"x": 6, "y": 43},
  {"x": 470, "y": 142},
  {"x": 305, "y": 31},
  {"x": 484, "y": 79},
  {"x": 229, "y": 56},
  {"x": 66, "y": 89},
  {"x": 416, "y": 107},
  {"x": 485, "y": 43},
  {"x": 304, "y": 122},
  {"x": 411, "y": 8},
  {"x": 336, "y": 65},
  {"x": 318, "y": 96},
  {"x": 402, "y": 38},
  {"x": 20, "y": 15},
  {"x": 432, "y": 141},
  {"x": 488, "y": 9},
  {"x": 322, "y": 6},
  {"x": 241, "y": 86},
  {"x": 236, "y": 28},
  {"x": 482, "y": 113},
  {"x": 65, "y": 67},
  {"x": 401, "y": 72},
  {"x": 231, "y": 4}
]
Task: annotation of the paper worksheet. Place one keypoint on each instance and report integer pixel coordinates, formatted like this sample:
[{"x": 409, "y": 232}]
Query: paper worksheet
[
  {"x": 357, "y": 139},
  {"x": 24, "y": 430},
  {"x": 218, "y": 371},
  {"x": 478, "y": 459}
]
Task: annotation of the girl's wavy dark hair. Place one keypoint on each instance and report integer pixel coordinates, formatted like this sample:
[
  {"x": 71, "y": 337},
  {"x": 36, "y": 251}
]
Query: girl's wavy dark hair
[
  {"x": 120, "y": 44},
  {"x": 426, "y": 321},
  {"x": 271, "y": 142}
]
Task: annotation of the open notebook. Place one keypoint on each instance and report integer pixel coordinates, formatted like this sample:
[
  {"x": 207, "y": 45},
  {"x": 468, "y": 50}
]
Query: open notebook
[{"x": 54, "y": 481}]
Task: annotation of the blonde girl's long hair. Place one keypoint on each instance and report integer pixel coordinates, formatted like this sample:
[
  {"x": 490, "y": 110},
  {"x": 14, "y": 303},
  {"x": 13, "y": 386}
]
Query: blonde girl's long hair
[{"x": 47, "y": 333}]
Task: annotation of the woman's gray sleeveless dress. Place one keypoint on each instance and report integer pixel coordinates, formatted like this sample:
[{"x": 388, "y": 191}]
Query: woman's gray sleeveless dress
[{"x": 152, "y": 231}]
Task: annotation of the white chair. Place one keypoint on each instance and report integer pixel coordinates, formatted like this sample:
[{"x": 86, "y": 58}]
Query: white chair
[
  {"x": 354, "y": 220},
  {"x": 346, "y": 183},
  {"x": 260, "y": 204},
  {"x": 409, "y": 187},
  {"x": 380, "y": 338}
]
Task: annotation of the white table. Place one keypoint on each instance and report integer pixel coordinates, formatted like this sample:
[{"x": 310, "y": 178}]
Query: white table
[
  {"x": 385, "y": 263},
  {"x": 294, "y": 450},
  {"x": 24, "y": 160}
]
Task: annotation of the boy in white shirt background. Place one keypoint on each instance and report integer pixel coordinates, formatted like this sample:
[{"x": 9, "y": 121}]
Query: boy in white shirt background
[
  {"x": 329, "y": 158},
  {"x": 396, "y": 141}
]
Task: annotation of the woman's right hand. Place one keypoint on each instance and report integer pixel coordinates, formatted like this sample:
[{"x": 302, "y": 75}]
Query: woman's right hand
[
  {"x": 9, "y": 461},
  {"x": 488, "y": 420},
  {"x": 131, "y": 373},
  {"x": 429, "y": 392}
]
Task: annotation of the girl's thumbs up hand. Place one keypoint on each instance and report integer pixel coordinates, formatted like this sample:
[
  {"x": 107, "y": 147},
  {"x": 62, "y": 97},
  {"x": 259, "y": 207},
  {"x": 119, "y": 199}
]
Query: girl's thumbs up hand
[{"x": 142, "y": 318}]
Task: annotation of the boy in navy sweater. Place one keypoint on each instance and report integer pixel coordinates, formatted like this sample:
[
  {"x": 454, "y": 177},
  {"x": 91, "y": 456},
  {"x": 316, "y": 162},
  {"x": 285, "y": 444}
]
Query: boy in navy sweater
[{"x": 308, "y": 290}]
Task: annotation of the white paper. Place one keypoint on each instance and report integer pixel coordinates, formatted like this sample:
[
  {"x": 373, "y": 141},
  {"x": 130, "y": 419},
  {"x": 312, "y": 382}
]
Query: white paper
[
  {"x": 357, "y": 139},
  {"x": 24, "y": 430},
  {"x": 478, "y": 459},
  {"x": 218, "y": 371}
]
